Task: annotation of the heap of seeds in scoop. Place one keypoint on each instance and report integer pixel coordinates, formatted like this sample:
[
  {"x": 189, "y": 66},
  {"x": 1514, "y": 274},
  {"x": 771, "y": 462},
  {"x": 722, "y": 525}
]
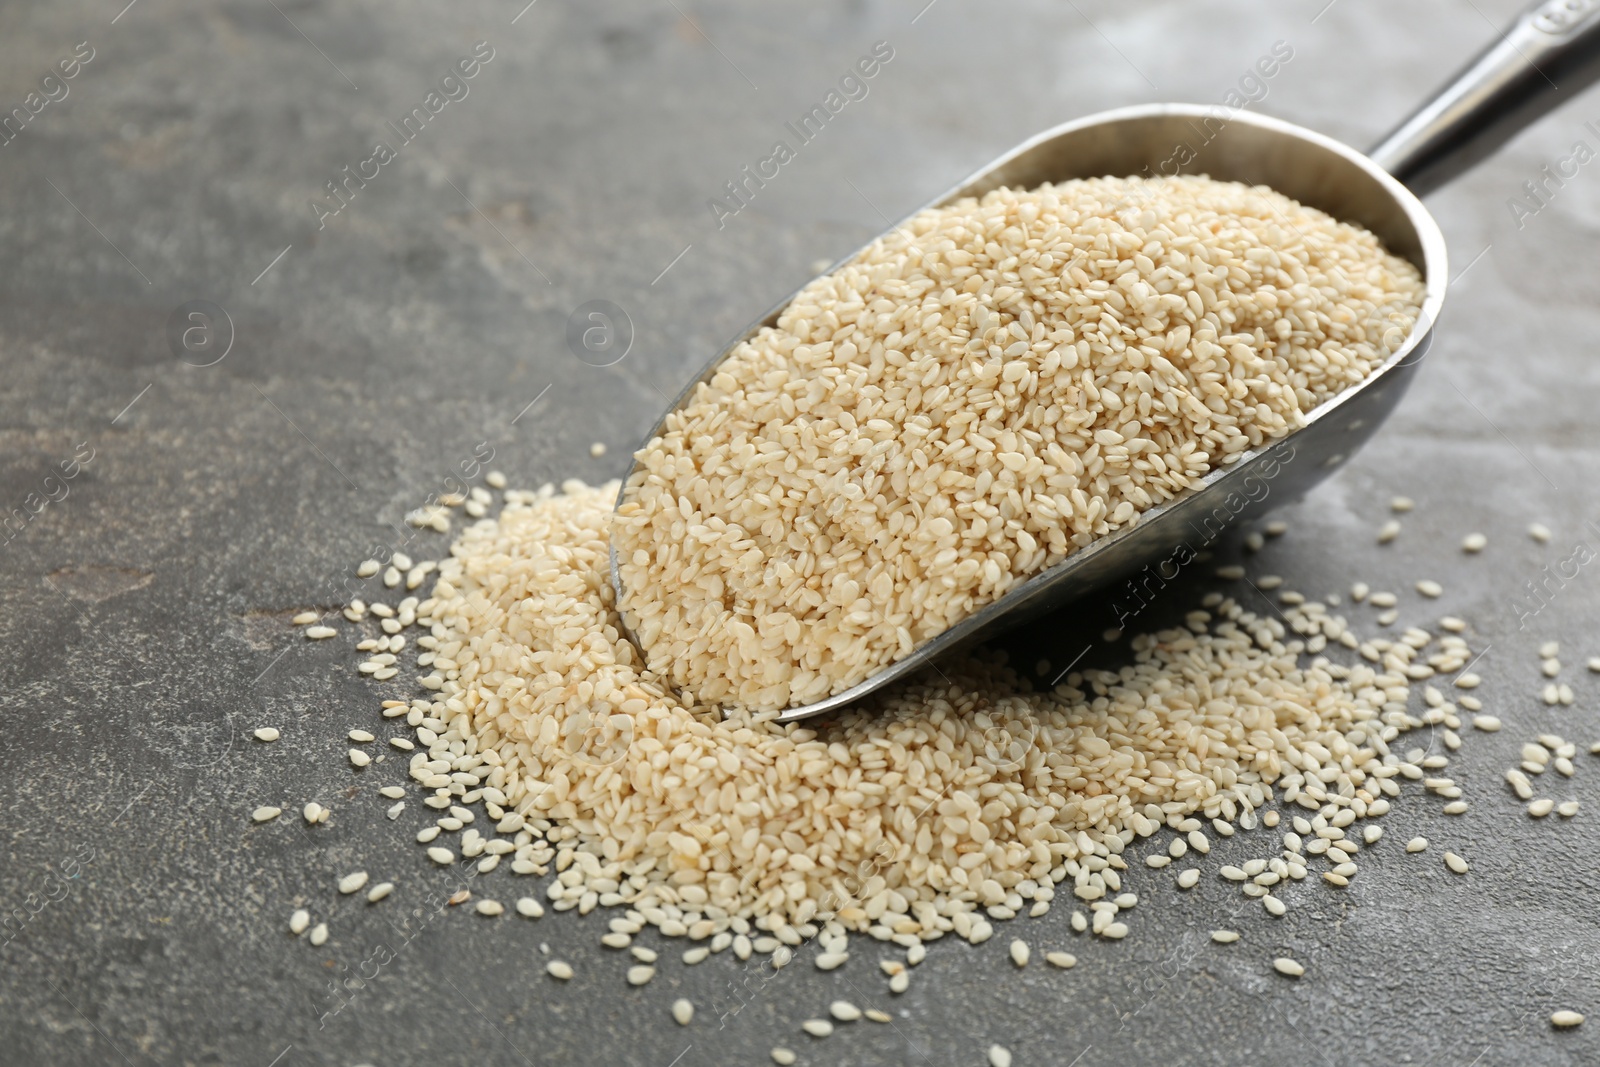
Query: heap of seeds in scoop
[
  {"x": 981, "y": 392},
  {"x": 956, "y": 798}
]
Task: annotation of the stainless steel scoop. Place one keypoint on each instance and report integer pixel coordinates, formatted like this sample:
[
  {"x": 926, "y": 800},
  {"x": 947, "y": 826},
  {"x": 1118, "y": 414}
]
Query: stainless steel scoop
[{"x": 1551, "y": 52}]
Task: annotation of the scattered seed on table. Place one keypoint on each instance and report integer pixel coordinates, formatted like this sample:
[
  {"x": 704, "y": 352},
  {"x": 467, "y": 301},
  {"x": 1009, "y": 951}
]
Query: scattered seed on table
[
  {"x": 442, "y": 856},
  {"x": 1401, "y": 503},
  {"x": 267, "y": 733},
  {"x": 783, "y": 1057},
  {"x": 1566, "y": 1018},
  {"x": 1541, "y": 807},
  {"x": 490, "y": 908},
  {"x": 1455, "y": 807},
  {"x": 299, "y": 921},
  {"x": 1388, "y": 531},
  {"x": 1115, "y": 931},
  {"x": 1550, "y": 667},
  {"x": 693, "y": 956},
  {"x": 1487, "y": 723},
  {"x": 1417, "y": 844},
  {"x": 395, "y": 809},
  {"x": 319, "y": 633},
  {"x": 999, "y": 1056},
  {"x": 1276, "y": 907},
  {"x": 266, "y": 813},
  {"x": 305, "y": 618},
  {"x": 1468, "y": 681},
  {"x": 1224, "y": 937},
  {"x": 1429, "y": 588},
  {"x": 393, "y": 792},
  {"x": 844, "y": 1011},
  {"x": 1187, "y": 879},
  {"x": 1286, "y": 966},
  {"x": 359, "y": 758},
  {"x": 1567, "y": 809},
  {"x": 319, "y": 934},
  {"x": 683, "y": 1011},
  {"x": 641, "y": 973},
  {"x": 1455, "y": 863},
  {"x": 558, "y": 969},
  {"x": 1019, "y": 952},
  {"x": 352, "y": 882},
  {"x": 360, "y": 736},
  {"x": 1539, "y": 532},
  {"x": 597, "y": 449},
  {"x": 314, "y": 812},
  {"x": 827, "y": 961},
  {"x": 900, "y": 982},
  {"x": 379, "y": 891},
  {"x": 1474, "y": 542},
  {"x": 817, "y": 1027},
  {"x": 1064, "y": 960}
]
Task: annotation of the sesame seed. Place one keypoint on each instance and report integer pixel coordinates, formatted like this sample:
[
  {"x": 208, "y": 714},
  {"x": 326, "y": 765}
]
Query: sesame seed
[
  {"x": 489, "y": 908},
  {"x": 367, "y": 568},
  {"x": 1388, "y": 531},
  {"x": 529, "y": 908},
  {"x": 783, "y": 1057},
  {"x": 1474, "y": 542},
  {"x": 1277, "y": 907},
  {"x": 1567, "y": 809},
  {"x": 267, "y": 733},
  {"x": 1188, "y": 879},
  {"x": 360, "y": 736},
  {"x": 1541, "y": 807},
  {"x": 878, "y": 1016},
  {"x": 299, "y": 921},
  {"x": 393, "y": 792},
  {"x": 379, "y": 891},
  {"x": 1224, "y": 937},
  {"x": 1455, "y": 863},
  {"x": 999, "y": 1056},
  {"x": 1401, "y": 503},
  {"x": 1565, "y": 1018},
  {"x": 640, "y": 973},
  {"x": 314, "y": 813},
  {"x": 1429, "y": 588},
  {"x": 1417, "y": 844},
  {"x": 319, "y": 935},
  {"x": 1019, "y": 952},
  {"x": 1383, "y": 600},
  {"x": 683, "y": 1011},
  {"x": 844, "y": 1011},
  {"x": 817, "y": 1027},
  {"x": 319, "y": 633},
  {"x": 1286, "y": 966},
  {"x": 359, "y": 758},
  {"x": 1063, "y": 960},
  {"x": 1487, "y": 723},
  {"x": 900, "y": 983},
  {"x": 597, "y": 449},
  {"x": 352, "y": 882},
  {"x": 442, "y": 856},
  {"x": 558, "y": 969},
  {"x": 1539, "y": 532},
  {"x": 266, "y": 813}
]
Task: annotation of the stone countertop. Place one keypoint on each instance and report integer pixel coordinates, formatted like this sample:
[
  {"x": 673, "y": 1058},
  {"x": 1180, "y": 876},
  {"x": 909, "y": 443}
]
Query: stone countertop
[{"x": 375, "y": 349}]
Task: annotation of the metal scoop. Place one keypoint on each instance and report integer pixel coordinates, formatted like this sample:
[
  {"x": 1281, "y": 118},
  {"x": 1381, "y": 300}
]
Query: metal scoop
[{"x": 1551, "y": 52}]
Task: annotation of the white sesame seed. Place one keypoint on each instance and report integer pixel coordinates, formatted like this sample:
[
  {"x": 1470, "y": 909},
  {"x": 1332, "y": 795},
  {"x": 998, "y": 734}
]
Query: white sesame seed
[
  {"x": 1429, "y": 588},
  {"x": 359, "y": 758},
  {"x": 1541, "y": 807},
  {"x": 1539, "y": 532},
  {"x": 490, "y": 908},
  {"x": 844, "y": 1011},
  {"x": 878, "y": 1016},
  {"x": 529, "y": 908},
  {"x": 1455, "y": 863},
  {"x": 1063, "y": 960},
  {"x": 367, "y": 568},
  {"x": 379, "y": 891},
  {"x": 314, "y": 813},
  {"x": 1224, "y": 937},
  {"x": 558, "y": 969},
  {"x": 1019, "y": 952},
  {"x": 1277, "y": 907},
  {"x": 1388, "y": 531},
  {"x": 441, "y": 856},
  {"x": 1286, "y": 966},
  {"x": 352, "y": 882},
  {"x": 817, "y": 1027},
  {"x": 266, "y": 813},
  {"x": 1417, "y": 844},
  {"x": 999, "y": 1056},
  {"x": 319, "y": 934},
  {"x": 1565, "y": 1018},
  {"x": 1487, "y": 723},
  {"x": 360, "y": 736},
  {"x": 1567, "y": 809},
  {"x": 299, "y": 921},
  {"x": 319, "y": 633},
  {"x": 305, "y": 618},
  {"x": 1187, "y": 879},
  {"x": 640, "y": 973},
  {"x": 1474, "y": 542},
  {"x": 683, "y": 1011},
  {"x": 782, "y": 1057},
  {"x": 827, "y": 961},
  {"x": 900, "y": 983},
  {"x": 1383, "y": 600},
  {"x": 1401, "y": 503},
  {"x": 267, "y": 733}
]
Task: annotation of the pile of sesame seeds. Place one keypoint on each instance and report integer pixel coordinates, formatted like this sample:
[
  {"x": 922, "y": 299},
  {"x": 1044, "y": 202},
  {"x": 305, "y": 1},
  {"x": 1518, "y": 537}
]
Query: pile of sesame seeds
[{"x": 983, "y": 391}]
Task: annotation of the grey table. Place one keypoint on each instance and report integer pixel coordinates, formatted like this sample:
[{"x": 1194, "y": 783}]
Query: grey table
[{"x": 144, "y": 612}]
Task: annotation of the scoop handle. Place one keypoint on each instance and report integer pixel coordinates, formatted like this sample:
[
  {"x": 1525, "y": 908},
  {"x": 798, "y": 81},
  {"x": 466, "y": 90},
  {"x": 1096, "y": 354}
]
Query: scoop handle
[{"x": 1550, "y": 53}]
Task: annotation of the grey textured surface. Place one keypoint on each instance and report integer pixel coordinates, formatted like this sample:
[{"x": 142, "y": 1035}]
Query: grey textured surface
[{"x": 144, "y": 616}]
